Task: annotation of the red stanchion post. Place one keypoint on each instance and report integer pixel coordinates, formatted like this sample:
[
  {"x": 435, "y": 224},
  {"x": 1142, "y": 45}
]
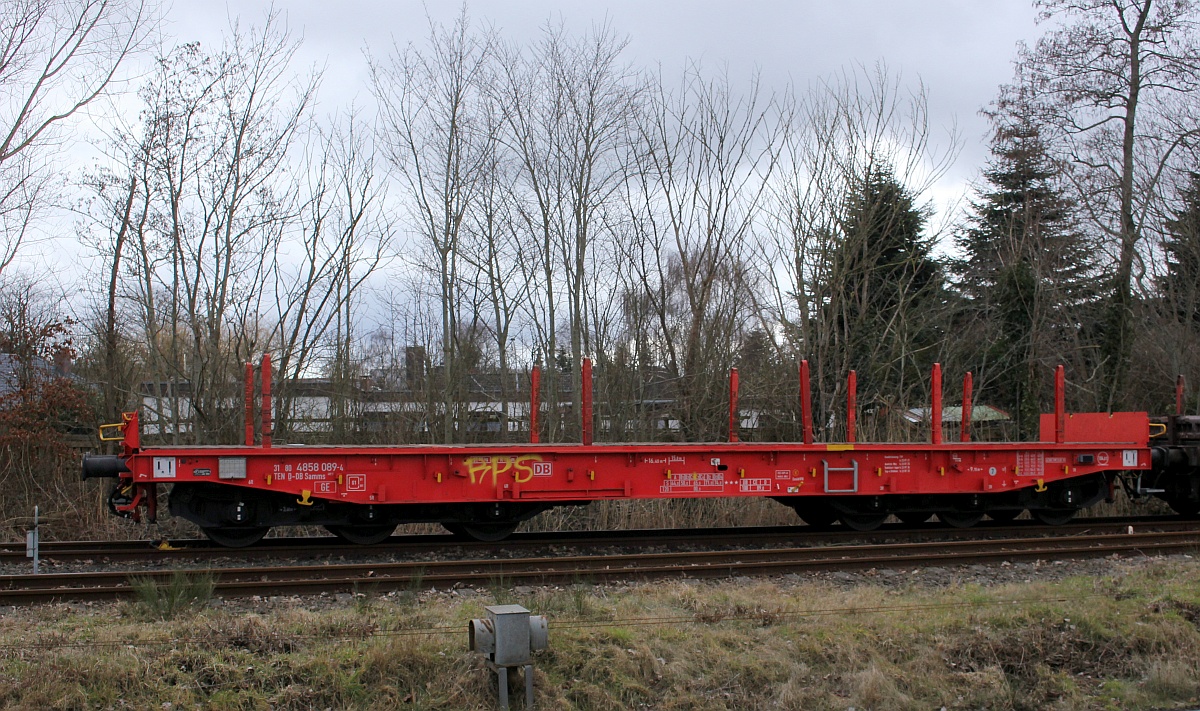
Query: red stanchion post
[
  {"x": 851, "y": 406},
  {"x": 968, "y": 382},
  {"x": 266, "y": 400},
  {"x": 806, "y": 403},
  {"x": 587, "y": 400},
  {"x": 733, "y": 405},
  {"x": 249, "y": 404},
  {"x": 1060, "y": 406},
  {"x": 935, "y": 411},
  {"x": 535, "y": 393},
  {"x": 1179, "y": 394}
]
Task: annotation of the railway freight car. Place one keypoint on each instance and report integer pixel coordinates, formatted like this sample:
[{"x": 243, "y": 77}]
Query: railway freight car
[{"x": 237, "y": 493}]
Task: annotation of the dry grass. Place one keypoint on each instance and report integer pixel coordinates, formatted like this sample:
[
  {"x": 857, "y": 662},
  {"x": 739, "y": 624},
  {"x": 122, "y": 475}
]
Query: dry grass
[{"x": 1128, "y": 641}]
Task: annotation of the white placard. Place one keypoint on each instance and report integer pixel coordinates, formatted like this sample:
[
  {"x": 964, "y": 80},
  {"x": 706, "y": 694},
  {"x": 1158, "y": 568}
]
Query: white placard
[{"x": 164, "y": 467}]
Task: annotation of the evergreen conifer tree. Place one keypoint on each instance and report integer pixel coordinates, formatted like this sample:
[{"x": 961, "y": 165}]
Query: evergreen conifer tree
[
  {"x": 1026, "y": 270},
  {"x": 1180, "y": 286},
  {"x": 885, "y": 285}
]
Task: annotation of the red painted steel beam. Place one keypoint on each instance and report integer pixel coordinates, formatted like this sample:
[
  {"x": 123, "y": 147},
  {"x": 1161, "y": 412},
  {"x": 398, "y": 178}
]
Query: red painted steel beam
[
  {"x": 587, "y": 401},
  {"x": 535, "y": 393},
  {"x": 1060, "y": 407},
  {"x": 733, "y": 405},
  {"x": 249, "y": 404},
  {"x": 965, "y": 435},
  {"x": 806, "y": 403},
  {"x": 851, "y": 406},
  {"x": 935, "y": 409},
  {"x": 266, "y": 400}
]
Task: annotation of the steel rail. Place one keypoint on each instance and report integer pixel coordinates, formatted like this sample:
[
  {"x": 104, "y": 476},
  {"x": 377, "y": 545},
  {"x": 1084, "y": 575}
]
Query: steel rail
[
  {"x": 187, "y": 549},
  {"x": 411, "y": 575}
]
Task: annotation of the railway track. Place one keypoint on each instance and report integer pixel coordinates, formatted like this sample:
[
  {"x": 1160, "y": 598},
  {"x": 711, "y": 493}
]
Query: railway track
[
  {"x": 328, "y": 546},
  {"x": 379, "y": 576}
]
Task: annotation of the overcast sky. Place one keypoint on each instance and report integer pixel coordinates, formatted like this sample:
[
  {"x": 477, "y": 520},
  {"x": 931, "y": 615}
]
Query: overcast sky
[{"x": 961, "y": 49}]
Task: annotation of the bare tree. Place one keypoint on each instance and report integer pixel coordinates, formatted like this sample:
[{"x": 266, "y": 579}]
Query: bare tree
[
  {"x": 39, "y": 403},
  {"x": 116, "y": 210},
  {"x": 492, "y": 248},
  {"x": 342, "y": 234},
  {"x": 567, "y": 107},
  {"x": 211, "y": 162},
  {"x": 56, "y": 58},
  {"x": 1118, "y": 84},
  {"x": 705, "y": 158},
  {"x": 430, "y": 105}
]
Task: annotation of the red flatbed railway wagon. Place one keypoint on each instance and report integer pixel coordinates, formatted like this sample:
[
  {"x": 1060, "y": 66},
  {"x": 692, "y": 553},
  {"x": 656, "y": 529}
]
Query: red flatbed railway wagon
[{"x": 236, "y": 493}]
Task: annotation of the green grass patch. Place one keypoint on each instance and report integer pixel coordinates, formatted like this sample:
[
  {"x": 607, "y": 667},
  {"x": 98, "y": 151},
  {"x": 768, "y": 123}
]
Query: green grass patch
[{"x": 164, "y": 600}]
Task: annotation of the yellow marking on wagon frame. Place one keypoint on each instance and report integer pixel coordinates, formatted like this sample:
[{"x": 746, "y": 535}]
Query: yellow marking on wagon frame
[{"x": 490, "y": 468}]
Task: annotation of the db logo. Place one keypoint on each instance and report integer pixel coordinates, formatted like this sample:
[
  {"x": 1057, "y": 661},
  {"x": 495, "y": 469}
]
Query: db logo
[
  {"x": 1102, "y": 458},
  {"x": 356, "y": 482},
  {"x": 543, "y": 468}
]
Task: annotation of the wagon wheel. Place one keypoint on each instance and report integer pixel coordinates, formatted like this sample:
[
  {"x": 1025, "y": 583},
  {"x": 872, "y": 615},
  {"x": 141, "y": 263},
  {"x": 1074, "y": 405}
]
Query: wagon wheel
[
  {"x": 863, "y": 521},
  {"x": 1187, "y": 508},
  {"x": 363, "y": 535},
  {"x": 1052, "y": 517},
  {"x": 960, "y": 519},
  {"x": 231, "y": 537},
  {"x": 816, "y": 517},
  {"x": 485, "y": 532},
  {"x": 1004, "y": 515}
]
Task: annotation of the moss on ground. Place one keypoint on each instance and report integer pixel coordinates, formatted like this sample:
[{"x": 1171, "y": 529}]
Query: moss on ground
[{"x": 1130, "y": 640}]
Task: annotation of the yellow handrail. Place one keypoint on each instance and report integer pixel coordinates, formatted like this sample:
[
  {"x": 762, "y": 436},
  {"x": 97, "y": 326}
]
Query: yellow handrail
[{"x": 115, "y": 425}]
